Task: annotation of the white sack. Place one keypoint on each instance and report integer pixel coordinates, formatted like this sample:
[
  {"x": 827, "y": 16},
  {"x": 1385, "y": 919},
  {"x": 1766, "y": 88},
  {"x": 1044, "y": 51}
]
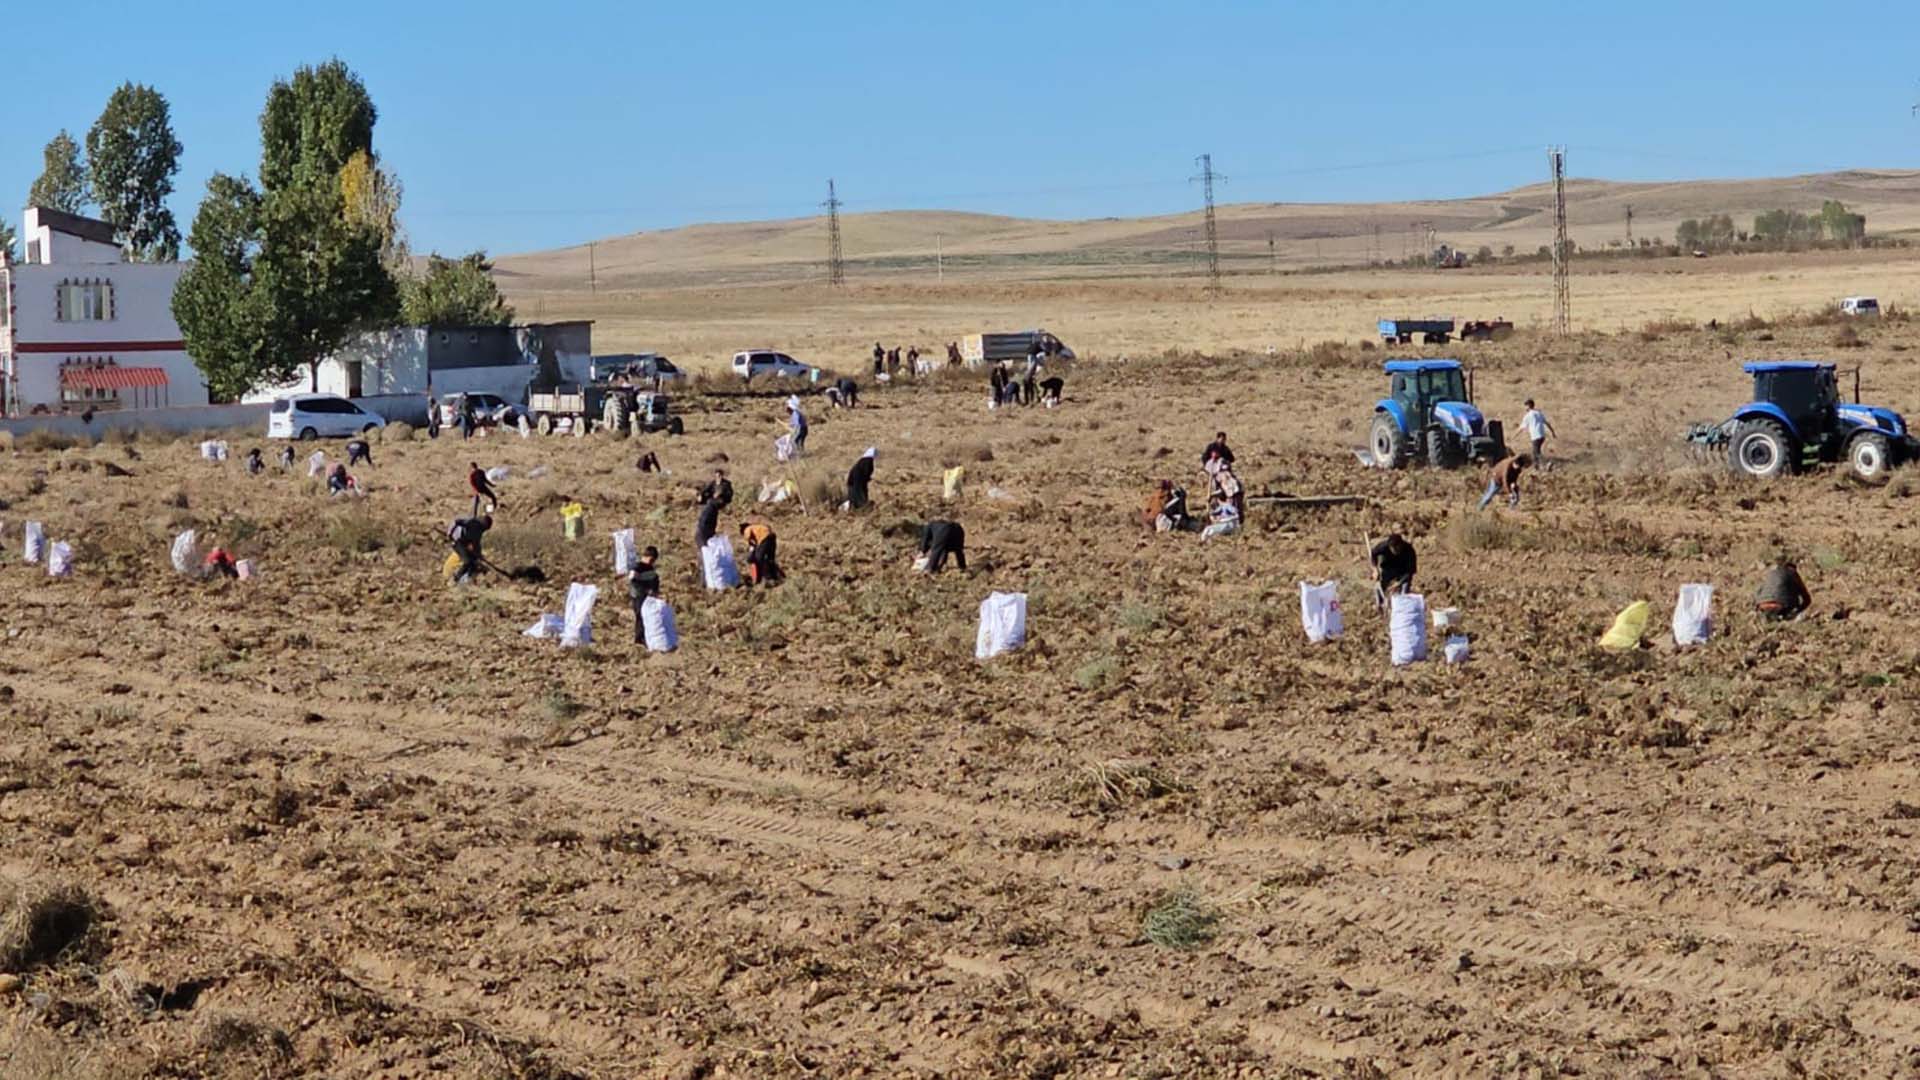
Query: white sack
[
  {"x": 548, "y": 626},
  {"x": 1409, "y": 629},
  {"x": 579, "y": 619},
  {"x": 1693, "y": 615},
  {"x": 36, "y": 544},
  {"x": 783, "y": 448},
  {"x": 623, "y": 553},
  {"x": 656, "y": 619},
  {"x": 716, "y": 561},
  {"x": 60, "y": 560},
  {"x": 185, "y": 557},
  {"x": 498, "y": 474},
  {"x": 1457, "y": 649},
  {"x": 317, "y": 463},
  {"x": 1320, "y": 613},
  {"x": 1446, "y": 618},
  {"x": 1003, "y": 624}
]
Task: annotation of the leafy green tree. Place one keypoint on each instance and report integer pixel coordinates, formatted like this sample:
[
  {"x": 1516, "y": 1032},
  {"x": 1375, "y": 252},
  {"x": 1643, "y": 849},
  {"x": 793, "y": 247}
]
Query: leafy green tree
[
  {"x": 454, "y": 292},
  {"x": 7, "y": 239},
  {"x": 62, "y": 184},
  {"x": 1840, "y": 224},
  {"x": 221, "y": 316},
  {"x": 304, "y": 270},
  {"x": 1688, "y": 234},
  {"x": 314, "y": 123},
  {"x": 132, "y": 157}
]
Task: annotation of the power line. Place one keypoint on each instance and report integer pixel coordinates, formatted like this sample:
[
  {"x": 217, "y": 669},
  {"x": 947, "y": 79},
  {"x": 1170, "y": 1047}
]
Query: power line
[
  {"x": 1207, "y": 177},
  {"x": 836, "y": 266},
  {"x": 1562, "y": 315}
]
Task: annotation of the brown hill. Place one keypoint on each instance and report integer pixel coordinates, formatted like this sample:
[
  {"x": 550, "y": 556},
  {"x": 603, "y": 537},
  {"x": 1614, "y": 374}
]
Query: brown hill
[{"x": 978, "y": 246}]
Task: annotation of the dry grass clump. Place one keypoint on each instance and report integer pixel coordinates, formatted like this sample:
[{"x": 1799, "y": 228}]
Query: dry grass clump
[
  {"x": 43, "y": 439},
  {"x": 6, "y": 441},
  {"x": 1121, "y": 782},
  {"x": 29, "y": 1052},
  {"x": 38, "y": 922},
  {"x": 1180, "y": 920},
  {"x": 397, "y": 432},
  {"x": 1484, "y": 532},
  {"x": 362, "y": 533},
  {"x": 227, "y": 1033},
  {"x": 1656, "y": 329},
  {"x": 1848, "y": 338},
  {"x": 822, "y": 486}
]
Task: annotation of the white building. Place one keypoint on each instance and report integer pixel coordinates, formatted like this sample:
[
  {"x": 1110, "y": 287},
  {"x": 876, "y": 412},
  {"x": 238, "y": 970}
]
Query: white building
[{"x": 81, "y": 328}]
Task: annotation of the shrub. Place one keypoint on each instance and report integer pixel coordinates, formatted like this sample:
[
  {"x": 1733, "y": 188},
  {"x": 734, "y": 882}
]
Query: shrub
[
  {"x": 1847, "y": 338},
  {"x": 1179, "y": 920},
  {"x": 39, "y": 922},
  {"x": 1117, "y": 783},
  {"x": 361, "y": 534}
]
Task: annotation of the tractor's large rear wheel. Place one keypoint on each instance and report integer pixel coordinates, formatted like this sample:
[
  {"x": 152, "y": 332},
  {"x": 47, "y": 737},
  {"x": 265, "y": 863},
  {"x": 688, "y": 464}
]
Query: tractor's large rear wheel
[
  {"x": 1443, "y": 450},
  {"x": 616, "y": 416},
  {"x": 1387, "y": 442},
  {"x": 1761, "y": 448},
  {"x": 1871, "y": 457}
]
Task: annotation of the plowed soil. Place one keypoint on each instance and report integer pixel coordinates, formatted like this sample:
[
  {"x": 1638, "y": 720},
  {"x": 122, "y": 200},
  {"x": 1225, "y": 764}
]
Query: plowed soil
[{"x": 345, "y": 820}]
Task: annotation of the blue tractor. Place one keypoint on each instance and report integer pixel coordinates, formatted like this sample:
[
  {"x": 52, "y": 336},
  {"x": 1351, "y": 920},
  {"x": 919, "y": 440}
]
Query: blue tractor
[
  {"x": 1796, "y": 418},
  {"x": 1429, "y": 416}
]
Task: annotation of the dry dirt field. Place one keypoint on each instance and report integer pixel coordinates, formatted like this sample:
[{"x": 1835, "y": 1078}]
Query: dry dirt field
[{"x": 345, "y": 821}]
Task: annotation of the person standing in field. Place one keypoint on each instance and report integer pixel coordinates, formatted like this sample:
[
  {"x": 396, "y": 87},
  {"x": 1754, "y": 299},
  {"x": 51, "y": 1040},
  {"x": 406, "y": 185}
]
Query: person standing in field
[
  {"x": 643, "y": 582},
  {"x": 1537, "y": 428},
  {"x": 482, "y": 487}
]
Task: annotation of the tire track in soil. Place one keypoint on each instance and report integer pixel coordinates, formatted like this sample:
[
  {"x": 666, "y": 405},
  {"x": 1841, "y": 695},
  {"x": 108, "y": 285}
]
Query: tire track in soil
[{"x": 454, "y": 760}]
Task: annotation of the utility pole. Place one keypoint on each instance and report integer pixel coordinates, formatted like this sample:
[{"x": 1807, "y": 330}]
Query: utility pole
[
  {"x": 1273, "y": 260},
  {"x": 1373, "y": 248},
  {"x": 1207, "y": 177},
  {"x": 836, "y": 266},
  {"x": 939, "y": 260},
  {"x": 1629, "y": 226},
  {"x": 593, "y": 278},
  {"x": 1562, "y": 314}
]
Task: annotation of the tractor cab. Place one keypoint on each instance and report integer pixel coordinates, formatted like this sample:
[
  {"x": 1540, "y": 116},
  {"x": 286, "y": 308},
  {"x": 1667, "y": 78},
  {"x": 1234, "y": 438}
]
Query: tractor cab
[
  {"x": 1805, "y": 394},
  {"x": 1429, "y": 412}
]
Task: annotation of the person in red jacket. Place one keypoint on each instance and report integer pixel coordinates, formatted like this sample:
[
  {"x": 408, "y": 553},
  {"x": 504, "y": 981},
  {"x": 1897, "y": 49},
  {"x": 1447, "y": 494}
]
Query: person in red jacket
[{"x": 482, "y": 488}]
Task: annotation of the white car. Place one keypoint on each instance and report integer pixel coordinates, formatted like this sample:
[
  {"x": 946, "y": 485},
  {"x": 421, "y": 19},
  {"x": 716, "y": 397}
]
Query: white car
[
  {"x": 312, "y": 416},
  {"x": 755, "y": 362},
  {"x": 1865, "y": 307}
]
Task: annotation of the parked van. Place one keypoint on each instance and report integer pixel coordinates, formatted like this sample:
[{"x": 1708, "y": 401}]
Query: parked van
[
  {"x": 1865, "y": 307},
  {"x": 312, "y": 416}
]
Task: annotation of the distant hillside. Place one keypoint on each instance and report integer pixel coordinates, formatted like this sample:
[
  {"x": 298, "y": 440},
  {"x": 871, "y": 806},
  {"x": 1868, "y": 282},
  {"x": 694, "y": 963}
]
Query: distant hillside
[{"x": 985, "y": 246}]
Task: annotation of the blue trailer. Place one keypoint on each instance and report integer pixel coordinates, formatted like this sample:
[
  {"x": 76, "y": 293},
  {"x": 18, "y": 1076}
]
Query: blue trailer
[{"x": 1402, "y": 331}]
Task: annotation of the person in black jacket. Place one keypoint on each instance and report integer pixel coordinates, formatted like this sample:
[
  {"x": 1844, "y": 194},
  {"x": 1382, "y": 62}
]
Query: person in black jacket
[
  {"x": 466, "y": 536},
  {"x": 707, "y": 524},
  {"x": 719, "y": 489},
  {"x": 643, "y": 581},
  {"x": 939, "y": 539},
  {"x": 1218, "y": 448},
  {"x": 858, "y": 478},
  {"x": 1394, "y": 562}
]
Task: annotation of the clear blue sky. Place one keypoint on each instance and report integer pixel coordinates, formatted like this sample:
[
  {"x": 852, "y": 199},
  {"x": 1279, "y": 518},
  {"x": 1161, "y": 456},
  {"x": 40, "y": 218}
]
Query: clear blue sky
[{"x": 529, "y": 125}]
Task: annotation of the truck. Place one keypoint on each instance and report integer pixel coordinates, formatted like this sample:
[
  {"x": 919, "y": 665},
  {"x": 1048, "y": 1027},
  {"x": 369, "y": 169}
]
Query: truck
[
  {"x": 1402, "y": 331},
  {"x": 1797, "y": 419},
  {"x": 980, "y": 349},
  {"x": 581, "y": 408},
  {"x": 1428, "y": 415}
]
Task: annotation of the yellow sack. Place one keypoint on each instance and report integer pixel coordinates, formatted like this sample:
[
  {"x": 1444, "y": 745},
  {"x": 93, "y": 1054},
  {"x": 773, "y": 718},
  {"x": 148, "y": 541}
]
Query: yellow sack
[
  {"x": 1627, "y": 628},
  {"x": 451, "y": 566},
  {"x": 951, "y": 487},
  {"x": 573, "y": 521}
]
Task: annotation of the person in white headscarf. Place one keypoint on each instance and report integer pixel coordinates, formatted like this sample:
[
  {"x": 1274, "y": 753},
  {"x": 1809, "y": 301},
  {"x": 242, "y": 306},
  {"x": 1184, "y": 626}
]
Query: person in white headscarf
[
  {"x": 858, "y": 478},
  {"x": 796, "y": 424}
]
